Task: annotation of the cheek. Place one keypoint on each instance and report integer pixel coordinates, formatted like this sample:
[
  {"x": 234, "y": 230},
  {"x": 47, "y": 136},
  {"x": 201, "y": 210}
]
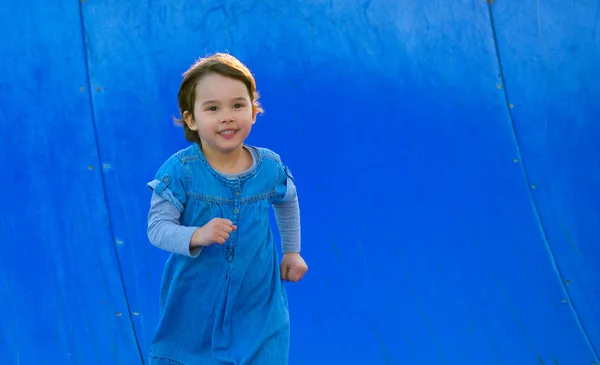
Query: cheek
[
  {"x": 207, "y": 124},
  {"x": 247, "y": 115}
]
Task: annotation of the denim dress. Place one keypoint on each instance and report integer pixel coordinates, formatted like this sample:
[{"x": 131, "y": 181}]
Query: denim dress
[{"x": 227, "y": 304}]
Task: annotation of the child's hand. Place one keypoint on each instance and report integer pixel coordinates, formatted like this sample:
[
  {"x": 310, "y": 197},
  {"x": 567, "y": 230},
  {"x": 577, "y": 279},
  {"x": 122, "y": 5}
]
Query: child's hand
[
  {"x": 293, "y": 267},
  {"x": 215, "y": 231}
]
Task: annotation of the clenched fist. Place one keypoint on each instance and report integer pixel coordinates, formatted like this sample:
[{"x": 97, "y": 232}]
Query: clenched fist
[
  {"x": 293, "y": 267},
  {"x": 215, "y": 231}
]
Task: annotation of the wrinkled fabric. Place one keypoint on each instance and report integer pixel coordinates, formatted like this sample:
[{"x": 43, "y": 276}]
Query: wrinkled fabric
[{"x": 227, "y": 305}]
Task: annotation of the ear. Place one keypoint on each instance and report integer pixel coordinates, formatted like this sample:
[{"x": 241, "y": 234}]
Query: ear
[
  {"x": 254, "y": 113},
  {"x": 189, "y": 120}
]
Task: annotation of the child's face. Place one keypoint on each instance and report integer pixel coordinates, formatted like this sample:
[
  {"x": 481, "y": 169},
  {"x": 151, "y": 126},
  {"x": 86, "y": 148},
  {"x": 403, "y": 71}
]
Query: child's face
[{"x": 223, "y": 113}]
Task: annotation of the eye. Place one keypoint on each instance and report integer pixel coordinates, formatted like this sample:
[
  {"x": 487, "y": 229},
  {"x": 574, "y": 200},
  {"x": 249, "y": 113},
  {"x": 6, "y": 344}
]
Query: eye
[
  {"x": 212, "y": 108},
  {"x": 238, "y": 105}
]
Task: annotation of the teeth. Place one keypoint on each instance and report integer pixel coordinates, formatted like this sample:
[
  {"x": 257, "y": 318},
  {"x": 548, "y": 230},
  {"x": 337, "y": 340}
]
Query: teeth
[{"x": 228, "y": 132}]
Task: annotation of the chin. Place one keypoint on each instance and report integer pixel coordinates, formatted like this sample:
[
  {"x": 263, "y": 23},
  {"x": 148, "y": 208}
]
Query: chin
[{"x": 229, "y": 147}]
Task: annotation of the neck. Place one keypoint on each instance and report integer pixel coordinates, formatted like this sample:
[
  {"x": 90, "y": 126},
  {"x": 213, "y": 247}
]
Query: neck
[{"x": 230, "y": 162}]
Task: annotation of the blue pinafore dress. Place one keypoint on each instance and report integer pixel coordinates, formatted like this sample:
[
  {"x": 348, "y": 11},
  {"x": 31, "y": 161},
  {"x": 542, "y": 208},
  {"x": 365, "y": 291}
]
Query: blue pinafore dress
[{"x": 228, "y": 305}]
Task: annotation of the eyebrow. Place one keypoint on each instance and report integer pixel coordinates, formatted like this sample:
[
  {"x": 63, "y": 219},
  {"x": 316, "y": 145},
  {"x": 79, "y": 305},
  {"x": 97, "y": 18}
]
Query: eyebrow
[{"x": 239, "y": 98}]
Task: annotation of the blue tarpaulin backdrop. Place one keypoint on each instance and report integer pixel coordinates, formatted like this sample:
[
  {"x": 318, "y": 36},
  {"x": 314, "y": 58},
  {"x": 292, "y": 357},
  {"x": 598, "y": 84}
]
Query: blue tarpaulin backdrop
[{"x": 446, "y": 154}]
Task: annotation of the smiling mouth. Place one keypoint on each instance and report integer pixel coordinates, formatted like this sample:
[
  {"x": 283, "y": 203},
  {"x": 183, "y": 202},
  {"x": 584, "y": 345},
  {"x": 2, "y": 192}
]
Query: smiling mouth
[{"x": 228, "y": 133}]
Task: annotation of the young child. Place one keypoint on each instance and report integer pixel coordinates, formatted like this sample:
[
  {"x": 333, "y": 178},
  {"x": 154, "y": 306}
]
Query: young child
[{"x": 222, "y": 298}]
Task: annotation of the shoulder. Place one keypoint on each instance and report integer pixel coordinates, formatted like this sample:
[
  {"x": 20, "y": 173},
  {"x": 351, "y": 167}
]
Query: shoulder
[
  {"x": 284, "y": 187},
  {"x": 171, "y": 181},
  {"x": 179, "y": 159},
  {"x": 273, "y": 159},
  {"x": 265, "y": 153},
  {"x": 268, "y": 155},
  {"x": 175, "y": 167},
  {"x": 185, "y": 155}
]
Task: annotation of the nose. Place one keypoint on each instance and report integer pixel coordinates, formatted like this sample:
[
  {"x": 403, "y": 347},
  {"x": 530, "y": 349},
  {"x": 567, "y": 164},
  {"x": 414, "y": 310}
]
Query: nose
[{"x": 227, "y": 117}]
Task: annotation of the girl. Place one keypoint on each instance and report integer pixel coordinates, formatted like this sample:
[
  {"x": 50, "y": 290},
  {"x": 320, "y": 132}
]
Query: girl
[{"x": 222, "y": 299}]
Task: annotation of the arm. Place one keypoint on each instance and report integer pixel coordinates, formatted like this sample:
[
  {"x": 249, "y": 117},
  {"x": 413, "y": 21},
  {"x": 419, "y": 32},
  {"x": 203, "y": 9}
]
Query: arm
[
  {"x": 287, "y": 215},
  {"x": 164, "y": 230},
  {"x": 287, "y": 211},
  {"x": 292, "y": 266},
  {"x": 166, "y": 206}
]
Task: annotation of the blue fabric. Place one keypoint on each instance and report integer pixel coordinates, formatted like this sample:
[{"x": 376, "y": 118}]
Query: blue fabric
[
  {"x": 228, "y": 305},
  {"x": 166, "y": 232}
]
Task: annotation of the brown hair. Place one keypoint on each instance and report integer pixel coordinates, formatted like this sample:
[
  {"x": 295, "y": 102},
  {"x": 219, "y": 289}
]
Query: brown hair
[{"x": 218, "y": 63}]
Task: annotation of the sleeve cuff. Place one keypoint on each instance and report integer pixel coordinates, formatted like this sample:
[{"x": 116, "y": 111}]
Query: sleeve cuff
[
  {"x": 187, "y": 233},
  {"x": 160, "y": 188}
]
